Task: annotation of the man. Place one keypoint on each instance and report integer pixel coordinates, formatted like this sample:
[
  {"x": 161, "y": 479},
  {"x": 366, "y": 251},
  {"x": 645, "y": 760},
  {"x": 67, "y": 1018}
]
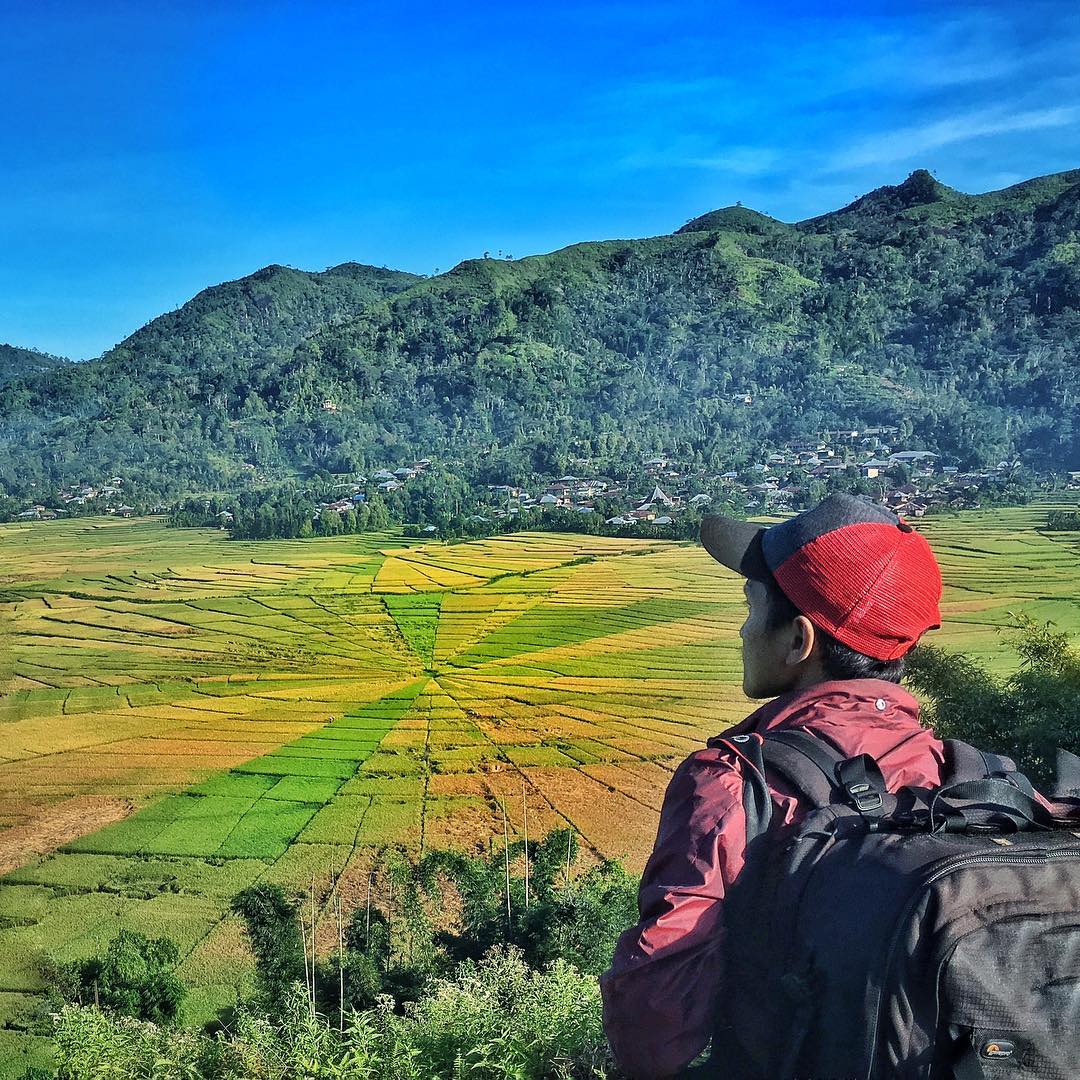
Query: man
[{"x": 837, "y": 596}]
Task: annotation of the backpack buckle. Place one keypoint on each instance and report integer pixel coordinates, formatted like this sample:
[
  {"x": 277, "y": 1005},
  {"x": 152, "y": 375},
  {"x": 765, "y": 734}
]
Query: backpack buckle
[
  {"x": 863, "y": 797},
  {"x": 863, "y": 783}
]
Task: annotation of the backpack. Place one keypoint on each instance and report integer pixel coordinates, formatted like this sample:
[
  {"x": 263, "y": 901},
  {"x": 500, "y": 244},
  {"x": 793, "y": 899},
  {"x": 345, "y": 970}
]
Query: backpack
[{"x": 927, "y": 933}]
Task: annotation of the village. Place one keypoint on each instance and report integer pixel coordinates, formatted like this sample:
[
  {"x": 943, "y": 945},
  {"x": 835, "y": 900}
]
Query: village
[
  {"x": 910, "y": 482},
  {"x": 660, "y": 489}
]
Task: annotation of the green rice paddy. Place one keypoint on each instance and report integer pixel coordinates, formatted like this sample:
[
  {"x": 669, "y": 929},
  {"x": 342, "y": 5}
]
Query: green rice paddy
[{"x": 281, "y": 711}]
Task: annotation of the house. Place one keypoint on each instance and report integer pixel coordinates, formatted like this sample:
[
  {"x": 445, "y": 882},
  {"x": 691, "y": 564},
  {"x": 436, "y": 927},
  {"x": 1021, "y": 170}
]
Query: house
[
  {"x": 830, "y": 468},
  {"x": 382, "y": 474},
  {"x": 658, "y": 496},
  {"x": 872, "y": 468},
  {"x": 329, "y": 406},
  {"x": 404, "y": 474},
  {"x": 700, "y": 500},
  {"x": 620, "y": 520},
  {"x": 663, "y": 520},
  {"x": 912, "y": 457},
  {"x": 549, "y": 500},
  {"x": 390, "y": 485}
]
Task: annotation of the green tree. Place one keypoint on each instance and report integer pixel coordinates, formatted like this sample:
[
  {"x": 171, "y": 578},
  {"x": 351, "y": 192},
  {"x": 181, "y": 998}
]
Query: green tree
[
  {"x": 272, "y": 922},
  {"x": 1025, "y": 716},
  {"x": 134, "y": 977}
]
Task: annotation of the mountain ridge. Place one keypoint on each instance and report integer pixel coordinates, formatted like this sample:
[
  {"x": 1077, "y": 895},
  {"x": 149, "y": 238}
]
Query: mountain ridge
[
  {"x": 958, "y": 314},
  {"x": 17, "y": 362}
]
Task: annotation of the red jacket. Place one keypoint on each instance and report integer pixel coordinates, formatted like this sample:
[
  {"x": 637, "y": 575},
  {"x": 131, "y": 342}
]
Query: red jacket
[{"x": 661, "y": 991}]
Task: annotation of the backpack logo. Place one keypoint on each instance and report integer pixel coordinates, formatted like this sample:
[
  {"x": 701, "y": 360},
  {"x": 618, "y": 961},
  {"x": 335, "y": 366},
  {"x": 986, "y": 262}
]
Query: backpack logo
[{"x": 997, "y": 1048}]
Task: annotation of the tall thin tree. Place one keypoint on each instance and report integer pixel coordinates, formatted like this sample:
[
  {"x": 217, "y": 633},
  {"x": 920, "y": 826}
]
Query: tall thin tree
[
  {"x": 312, "y": 944},
  {"x": 340, "y": 965},
  {"x": 525, "y": 812},
  {"x": 506, "y": 858}
]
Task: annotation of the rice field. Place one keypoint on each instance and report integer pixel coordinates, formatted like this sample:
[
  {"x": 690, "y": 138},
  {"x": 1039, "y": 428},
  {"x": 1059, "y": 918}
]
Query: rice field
[{"x": 238, "y": 712}]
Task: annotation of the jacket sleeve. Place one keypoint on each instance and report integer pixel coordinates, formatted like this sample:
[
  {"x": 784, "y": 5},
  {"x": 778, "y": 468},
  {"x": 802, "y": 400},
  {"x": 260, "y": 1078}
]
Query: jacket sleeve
[{"x": 661, "y": 990}]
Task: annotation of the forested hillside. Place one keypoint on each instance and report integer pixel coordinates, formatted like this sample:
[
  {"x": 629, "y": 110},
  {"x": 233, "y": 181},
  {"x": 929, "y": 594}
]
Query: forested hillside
[
  {"x": 16, "y": 363},
  {"x": 953, "y": 316}
]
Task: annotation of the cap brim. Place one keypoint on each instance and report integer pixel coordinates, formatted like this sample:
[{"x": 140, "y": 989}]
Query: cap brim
[{"x": 736, "y": 544}]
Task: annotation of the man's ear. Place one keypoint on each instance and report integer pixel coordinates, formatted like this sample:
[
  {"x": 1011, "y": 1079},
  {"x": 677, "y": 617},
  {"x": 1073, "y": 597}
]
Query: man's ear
[{"x": 803, "y": 637}]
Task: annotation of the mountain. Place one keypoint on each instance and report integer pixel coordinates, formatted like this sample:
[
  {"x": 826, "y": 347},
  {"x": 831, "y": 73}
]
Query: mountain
[
  {"x": 922, "y": 198},
  {"x": 17, "y": 363},
  {"x": 737, "y": 218},
  {"x": 954, "y": 316}
]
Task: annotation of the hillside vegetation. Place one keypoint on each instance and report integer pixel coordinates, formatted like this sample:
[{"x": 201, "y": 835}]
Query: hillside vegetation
[
  {"x": 16, "y": 363},
  {"x": 955, "y": 316}
]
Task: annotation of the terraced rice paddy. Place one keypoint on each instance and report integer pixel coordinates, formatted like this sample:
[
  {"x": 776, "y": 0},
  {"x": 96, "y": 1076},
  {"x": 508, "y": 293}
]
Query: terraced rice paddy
[{"x": 234, "y": 712}]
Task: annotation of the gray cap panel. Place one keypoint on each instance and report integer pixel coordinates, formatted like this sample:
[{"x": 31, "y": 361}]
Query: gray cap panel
[{"x": 837, "y": 511}]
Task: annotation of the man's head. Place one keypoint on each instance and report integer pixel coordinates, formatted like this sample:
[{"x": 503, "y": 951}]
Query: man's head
[{"x": 841, "y": 591}]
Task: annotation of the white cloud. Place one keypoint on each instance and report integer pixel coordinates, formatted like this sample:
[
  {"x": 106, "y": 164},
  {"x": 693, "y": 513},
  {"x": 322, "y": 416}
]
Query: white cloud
[
  {"x": 738, "y": 160},
  {"x": 909, "y": 142}
]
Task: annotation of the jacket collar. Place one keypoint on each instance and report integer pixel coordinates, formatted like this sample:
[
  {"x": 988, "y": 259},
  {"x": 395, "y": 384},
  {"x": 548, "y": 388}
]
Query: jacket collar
[{"x": 863, "y": 701}]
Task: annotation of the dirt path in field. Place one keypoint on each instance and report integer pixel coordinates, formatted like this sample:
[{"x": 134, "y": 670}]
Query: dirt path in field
[{"x": 53, "y": 826}]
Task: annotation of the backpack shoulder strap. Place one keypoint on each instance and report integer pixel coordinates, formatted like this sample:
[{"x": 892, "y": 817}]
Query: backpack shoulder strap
[
  {"x": 823, "y": 775},
  {"x": 757, "y": 800},
  {"x": 964, "y": 762},
  {"x": 820, "y": 774},
  {"x": 1066, "y": 776},
  {"x": 805, "y": 762}
]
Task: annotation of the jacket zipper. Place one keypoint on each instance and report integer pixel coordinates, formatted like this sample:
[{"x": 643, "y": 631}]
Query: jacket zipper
[{"x": 955, "y": 863}]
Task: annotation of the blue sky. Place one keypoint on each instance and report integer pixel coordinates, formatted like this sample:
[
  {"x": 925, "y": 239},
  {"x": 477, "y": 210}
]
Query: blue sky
[{"x": 152, "y": 149}]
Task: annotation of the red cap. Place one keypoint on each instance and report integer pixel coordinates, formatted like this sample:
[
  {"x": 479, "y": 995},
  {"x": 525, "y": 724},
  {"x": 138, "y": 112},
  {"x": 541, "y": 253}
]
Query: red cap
[{"x": 849, "y": 565}]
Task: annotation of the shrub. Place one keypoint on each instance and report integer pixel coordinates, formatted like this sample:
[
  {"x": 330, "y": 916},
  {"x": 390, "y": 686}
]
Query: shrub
[
  {"x": 272, "y": 922},
  {"x": 92, "y": 1045},
  {"x": 577, "y": 918},
  {"x": 497, "y": 1017},
  {"x": 134, "y": 978},
  {"x": 1063, "y": 521},
  {"x": 493, "y": 1018},
  {"x": 1026, "y": 715}
]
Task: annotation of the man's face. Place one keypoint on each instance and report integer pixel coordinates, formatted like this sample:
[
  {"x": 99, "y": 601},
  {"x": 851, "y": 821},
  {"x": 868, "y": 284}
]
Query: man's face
[{"x": 765, "y": 651}]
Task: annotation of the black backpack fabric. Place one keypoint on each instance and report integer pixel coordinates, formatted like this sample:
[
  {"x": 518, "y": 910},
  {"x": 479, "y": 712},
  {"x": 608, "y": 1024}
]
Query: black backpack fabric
[{"x": 925, "y": 933}]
